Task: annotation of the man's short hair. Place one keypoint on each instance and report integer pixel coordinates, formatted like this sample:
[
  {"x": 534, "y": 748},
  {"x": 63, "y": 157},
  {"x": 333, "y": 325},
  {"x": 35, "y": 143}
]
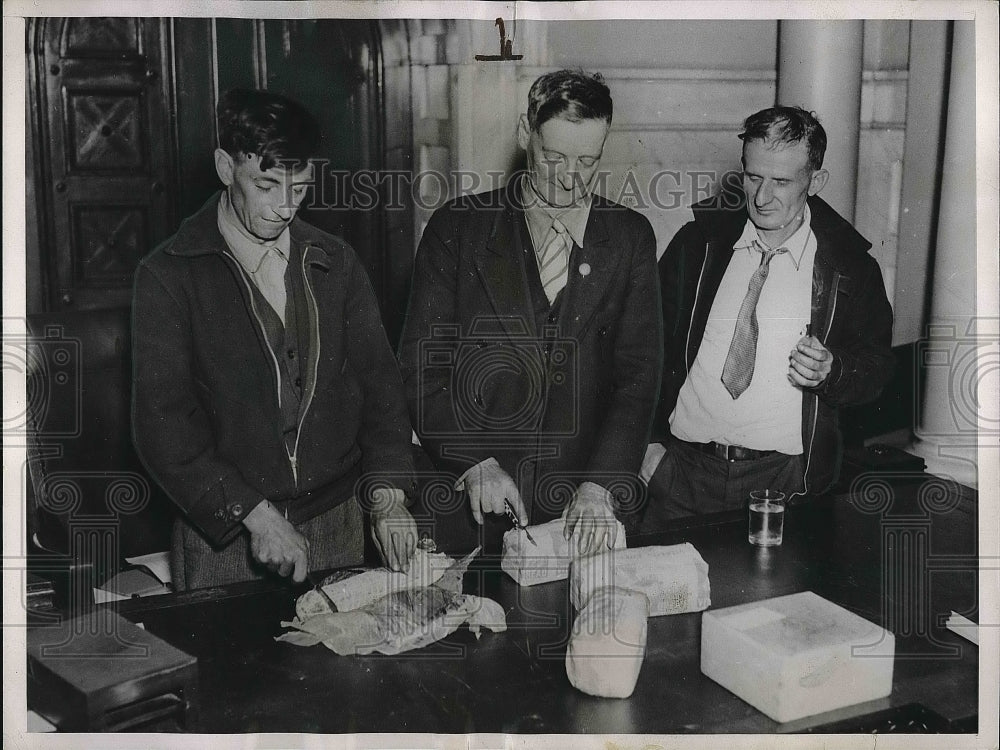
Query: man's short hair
[
  {"x": 787, "y": 126},
  {"x": 274, "y": 127},
  {"x": 571, "y": 94}
]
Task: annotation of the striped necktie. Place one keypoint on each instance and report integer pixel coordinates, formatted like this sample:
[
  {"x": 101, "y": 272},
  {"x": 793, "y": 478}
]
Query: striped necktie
[
  {"x": 553, "y": 260},
  {"x": 738, "y": 370}
]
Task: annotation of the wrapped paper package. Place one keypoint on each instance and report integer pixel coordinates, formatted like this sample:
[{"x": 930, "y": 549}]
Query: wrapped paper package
[
  {"x": 402, "y": 620},
  {"x": 608, "y": 643},
  {"x": 546, "y": 560},
  {"x": 674, "y": 578},
  {"x": 796, "y": 655},
  {"x": 351, "y": 590}
]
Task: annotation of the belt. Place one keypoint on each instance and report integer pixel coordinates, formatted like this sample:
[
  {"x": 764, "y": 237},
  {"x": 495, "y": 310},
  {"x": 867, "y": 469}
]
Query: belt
[{"x": 730, "y": 452}]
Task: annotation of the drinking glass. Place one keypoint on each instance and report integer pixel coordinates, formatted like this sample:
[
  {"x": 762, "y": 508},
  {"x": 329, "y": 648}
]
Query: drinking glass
[{"x": 767, "y": 517}]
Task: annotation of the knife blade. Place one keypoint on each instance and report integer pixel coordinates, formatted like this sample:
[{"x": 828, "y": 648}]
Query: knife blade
[
  {"x": 517, "y": 524},
  {"x": 319, "y": 589}
]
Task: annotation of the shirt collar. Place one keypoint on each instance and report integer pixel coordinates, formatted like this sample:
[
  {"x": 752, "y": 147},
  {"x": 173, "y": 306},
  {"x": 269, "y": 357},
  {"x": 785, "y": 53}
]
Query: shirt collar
[
  {"x": 249, "y": 250},
  {"x": 795, "y": 244},
  {"x": 540, "y": 215}
]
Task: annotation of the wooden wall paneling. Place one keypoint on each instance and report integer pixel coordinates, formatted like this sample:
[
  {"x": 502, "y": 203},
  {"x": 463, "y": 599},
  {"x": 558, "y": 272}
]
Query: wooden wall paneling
[
  {"x": 37, "y": 232},
  {"x": 306, "y": 61},
  {"x": 366, "y": 75},
  {"x": 106, "y": 153},
  {"x": 397, "y": 102},
  {"x": 334, "y": 67},
  {"x": 194, "y": 97},
  {"x": 235, "y": 45}
]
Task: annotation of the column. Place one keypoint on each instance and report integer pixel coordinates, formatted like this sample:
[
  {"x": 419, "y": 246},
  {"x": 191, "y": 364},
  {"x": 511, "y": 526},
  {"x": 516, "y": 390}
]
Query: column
[
  {"x": 819, "y": 69},
  {"x": 927, "y": 87},
  {"x": 957, "y": 354}
]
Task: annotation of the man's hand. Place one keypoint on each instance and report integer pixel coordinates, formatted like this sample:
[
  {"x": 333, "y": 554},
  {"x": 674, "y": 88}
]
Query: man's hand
[
  {"x": 651, "y": 462},
  {"x": 590, "y": 519},
  {"x": 393, "y": 529},
  {"x": 275, "y": 543},
  {"x": 488, "y": 486},
  {"x": 810, "y": 363}
]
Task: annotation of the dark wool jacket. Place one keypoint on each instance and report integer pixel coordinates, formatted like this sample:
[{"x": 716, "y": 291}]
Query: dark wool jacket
[
  {"x": 205, "y": 416},
  {"x": 850, "y": 315},
  {"x": 556, "y": 396}
]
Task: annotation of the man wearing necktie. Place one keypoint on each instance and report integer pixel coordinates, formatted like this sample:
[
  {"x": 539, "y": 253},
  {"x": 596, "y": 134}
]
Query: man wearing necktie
[
  {"x": 265, "y": 392},
  {"x": 775, "y": 315},
  {"x": 531, "y": 348}
]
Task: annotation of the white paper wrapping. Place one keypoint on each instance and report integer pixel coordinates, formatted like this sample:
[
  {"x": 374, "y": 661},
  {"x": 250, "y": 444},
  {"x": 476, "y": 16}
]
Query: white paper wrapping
[
  {"x": 674, "y": 578},
  {"x": 401, "y": 620},
  {"x": 608, "y": 643},
  {"x": 359, "y": 590},
  {"x": 546, "y": 561}
]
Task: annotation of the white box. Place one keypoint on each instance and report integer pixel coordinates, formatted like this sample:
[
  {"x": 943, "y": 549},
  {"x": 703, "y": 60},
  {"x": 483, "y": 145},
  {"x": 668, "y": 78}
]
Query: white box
[{"x": 796, "y": 655}]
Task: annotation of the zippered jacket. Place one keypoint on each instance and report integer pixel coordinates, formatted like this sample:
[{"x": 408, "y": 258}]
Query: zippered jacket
[
  {"x": 850, "y": 315},
  {"x": 205, "y": 415}
]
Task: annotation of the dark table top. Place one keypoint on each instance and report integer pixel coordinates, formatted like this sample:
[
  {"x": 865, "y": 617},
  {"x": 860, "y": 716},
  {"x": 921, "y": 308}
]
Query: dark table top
[{"x": 899, "y": 552}]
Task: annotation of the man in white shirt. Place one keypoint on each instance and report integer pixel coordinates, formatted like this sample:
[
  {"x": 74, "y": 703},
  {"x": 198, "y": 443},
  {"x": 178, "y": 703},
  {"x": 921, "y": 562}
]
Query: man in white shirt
[{"x": 774, "y": 316}]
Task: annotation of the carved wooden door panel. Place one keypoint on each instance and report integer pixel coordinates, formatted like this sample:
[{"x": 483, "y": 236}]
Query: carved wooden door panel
[{"x": 106, "y": 158}]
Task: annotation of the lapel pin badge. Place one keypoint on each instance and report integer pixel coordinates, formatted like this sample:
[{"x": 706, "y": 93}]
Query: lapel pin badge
[{"x": 584, "y": 269}]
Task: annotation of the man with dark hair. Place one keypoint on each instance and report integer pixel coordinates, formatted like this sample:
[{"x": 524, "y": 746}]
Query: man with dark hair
[
  {"x": 264, "y": 387},
  {"x": 531, "y": 353},
  {"x": 774, "y": 315}
]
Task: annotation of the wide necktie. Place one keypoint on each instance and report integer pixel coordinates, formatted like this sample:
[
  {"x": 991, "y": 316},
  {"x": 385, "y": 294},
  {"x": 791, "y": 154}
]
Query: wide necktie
[
  {"x": 738, "y": 370},
  {"x": 553, "y": 259}
]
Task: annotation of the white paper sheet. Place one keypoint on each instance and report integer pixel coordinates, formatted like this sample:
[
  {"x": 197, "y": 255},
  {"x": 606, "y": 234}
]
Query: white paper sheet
[
  {"x": 964, "y": 627},
  {"x": 158, "y": 563}
]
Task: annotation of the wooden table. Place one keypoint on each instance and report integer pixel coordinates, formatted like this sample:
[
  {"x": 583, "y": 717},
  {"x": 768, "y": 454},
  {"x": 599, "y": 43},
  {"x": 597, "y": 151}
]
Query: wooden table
[{"x": 900, "y": 551}]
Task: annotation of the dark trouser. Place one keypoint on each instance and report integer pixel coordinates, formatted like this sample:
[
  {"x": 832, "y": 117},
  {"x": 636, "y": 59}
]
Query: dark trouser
[
  {"x": 689, "y": 482},
  {"x": 336, "y": 539}
]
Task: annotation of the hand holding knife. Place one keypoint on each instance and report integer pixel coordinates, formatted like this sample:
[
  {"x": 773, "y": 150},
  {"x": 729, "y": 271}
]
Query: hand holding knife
[{"x": 517, "y": 524}]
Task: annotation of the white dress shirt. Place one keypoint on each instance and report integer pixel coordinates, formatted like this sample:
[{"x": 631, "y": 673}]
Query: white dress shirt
[{"x": 768, "y": 415}]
